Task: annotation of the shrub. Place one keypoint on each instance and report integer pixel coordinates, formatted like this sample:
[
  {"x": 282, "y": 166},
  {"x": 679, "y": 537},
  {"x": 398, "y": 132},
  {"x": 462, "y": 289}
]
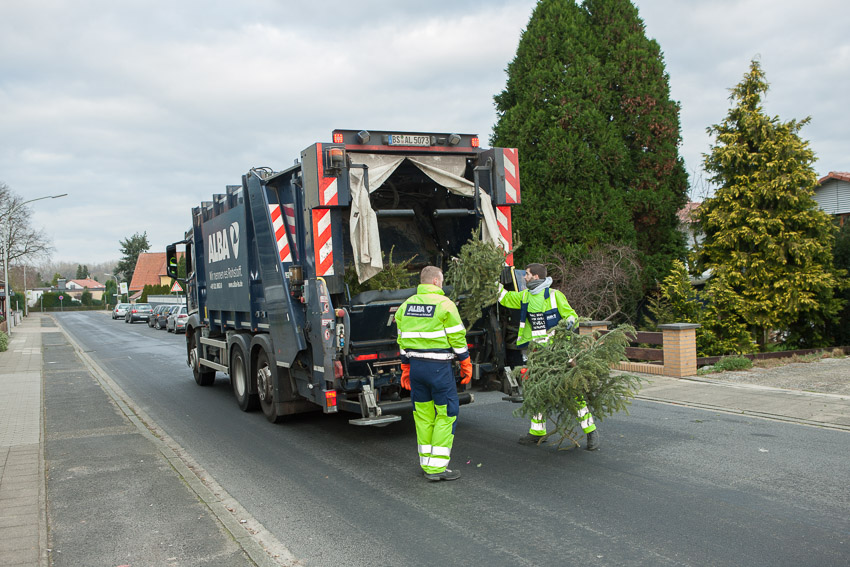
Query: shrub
[
  {"x": 4, "y": 341},
  {"x": 728, "y": 363}
]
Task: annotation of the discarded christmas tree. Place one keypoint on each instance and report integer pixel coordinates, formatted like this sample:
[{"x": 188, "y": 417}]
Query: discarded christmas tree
[
  {"x": 571, "y": 368},
  {"x": 393, "y": 276},
  {"x": 474, "y": 277}
]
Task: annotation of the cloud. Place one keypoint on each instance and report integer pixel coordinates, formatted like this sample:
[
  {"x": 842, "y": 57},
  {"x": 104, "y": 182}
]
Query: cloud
[{"x": 141, "y": 110}]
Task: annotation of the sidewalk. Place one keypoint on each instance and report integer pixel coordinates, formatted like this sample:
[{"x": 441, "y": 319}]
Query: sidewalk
[
  {"x": 82, "y": 482},
  {"x": 809, "y": 408},
  {"x": 23, "y": 519}
]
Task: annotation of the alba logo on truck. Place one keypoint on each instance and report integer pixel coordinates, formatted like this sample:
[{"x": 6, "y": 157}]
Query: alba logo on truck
[{"x": 219, "y": 245}]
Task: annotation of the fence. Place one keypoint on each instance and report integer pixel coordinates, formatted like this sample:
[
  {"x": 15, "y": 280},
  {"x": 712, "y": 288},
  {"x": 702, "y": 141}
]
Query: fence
[
  {"x": 18, "y": 317},
  {"x": 677, "y": 356}
]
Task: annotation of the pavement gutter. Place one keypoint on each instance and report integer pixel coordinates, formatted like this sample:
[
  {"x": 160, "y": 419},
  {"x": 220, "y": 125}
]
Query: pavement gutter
[
  {"x": 43, "y": 539},
  {"x": 259, "y": 544}
]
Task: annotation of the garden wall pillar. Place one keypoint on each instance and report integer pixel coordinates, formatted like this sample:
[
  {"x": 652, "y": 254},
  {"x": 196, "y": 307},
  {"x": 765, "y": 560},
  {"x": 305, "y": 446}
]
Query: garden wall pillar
[
  {"x": 589, "y": 327},
  {"x": 680, "y": 349}
]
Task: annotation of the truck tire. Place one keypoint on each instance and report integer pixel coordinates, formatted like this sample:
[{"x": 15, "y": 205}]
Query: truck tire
[
  {"x": 265, "y": 388},
  {"x": 239, "y": 376},
  {"x": 203, "y": 376}
]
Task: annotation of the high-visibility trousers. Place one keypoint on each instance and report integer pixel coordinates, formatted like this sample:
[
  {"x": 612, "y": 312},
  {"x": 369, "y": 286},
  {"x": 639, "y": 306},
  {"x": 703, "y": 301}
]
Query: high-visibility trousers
[
  {"x": 584, "y": 417},
  {"x": 435, "y": 409}
]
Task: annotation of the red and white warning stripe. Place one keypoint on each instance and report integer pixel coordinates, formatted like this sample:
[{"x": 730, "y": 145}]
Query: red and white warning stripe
[
  {"x": 289, "y": 215},
  {"x": 280, "y": 233},
  {"x": 503, "y": 219},
  {"x": 327, "y": 185},
  {"x": 511, "y": 175},
  {"x": 322, "y": 242}
]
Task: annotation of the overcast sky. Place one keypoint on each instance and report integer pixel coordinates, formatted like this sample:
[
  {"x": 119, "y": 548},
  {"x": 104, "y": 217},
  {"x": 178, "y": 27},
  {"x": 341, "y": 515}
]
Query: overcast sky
[{"x": 140, "y": 109}]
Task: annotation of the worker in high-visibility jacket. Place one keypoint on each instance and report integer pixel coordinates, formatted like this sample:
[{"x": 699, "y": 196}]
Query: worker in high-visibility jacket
[
  {"x": 430, "y": 336},
  {"x": 541, "y": 308}
]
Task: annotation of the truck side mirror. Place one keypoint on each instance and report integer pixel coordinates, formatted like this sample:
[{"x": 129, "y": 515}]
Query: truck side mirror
[{"x": 171, "y": 260}]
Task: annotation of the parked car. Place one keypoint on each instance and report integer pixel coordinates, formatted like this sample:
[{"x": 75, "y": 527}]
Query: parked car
[
  {"x": 120, "y": 310},
  {"x": 156, "y": 311},
  {"x": 177, "y": 320},
  {"x": 138, "y": 312},
  {"x": 162, "y": 316}
]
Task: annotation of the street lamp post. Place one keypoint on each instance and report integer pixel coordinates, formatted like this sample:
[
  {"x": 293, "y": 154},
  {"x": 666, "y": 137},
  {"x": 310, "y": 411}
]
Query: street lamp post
[{"x": 7, "y": 234}]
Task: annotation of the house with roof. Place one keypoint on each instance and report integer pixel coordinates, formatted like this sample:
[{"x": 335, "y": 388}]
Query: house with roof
[
  {"x": 833, "y": 195},
  {"x": 75, "y": 288},
  {"x": 150, "y": 270}
]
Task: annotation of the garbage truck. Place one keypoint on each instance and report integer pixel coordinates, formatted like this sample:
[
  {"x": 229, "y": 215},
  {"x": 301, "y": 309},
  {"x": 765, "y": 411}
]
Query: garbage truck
[{"x": 274, "y": 266}]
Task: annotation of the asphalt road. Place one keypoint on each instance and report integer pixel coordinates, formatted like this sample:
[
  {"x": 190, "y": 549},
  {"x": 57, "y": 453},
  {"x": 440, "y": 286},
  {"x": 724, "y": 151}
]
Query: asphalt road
[{"x": 670, "y": 486}]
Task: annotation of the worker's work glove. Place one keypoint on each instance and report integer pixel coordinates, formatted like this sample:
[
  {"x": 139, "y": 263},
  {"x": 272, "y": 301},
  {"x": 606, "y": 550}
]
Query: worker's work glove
[
  {"x": 405, "y": 376},
  {"x": 465, "y": 371}
]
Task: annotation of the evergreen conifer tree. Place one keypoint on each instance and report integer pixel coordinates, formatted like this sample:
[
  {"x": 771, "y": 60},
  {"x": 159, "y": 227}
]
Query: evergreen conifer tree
[
  {"x": 839, "y": 331},
  {"x": 587, "y": 105},
  {"x": 651, "y": 176},
  {"x": 131, "y": 248},
  {"x": 765, "y": 238}
]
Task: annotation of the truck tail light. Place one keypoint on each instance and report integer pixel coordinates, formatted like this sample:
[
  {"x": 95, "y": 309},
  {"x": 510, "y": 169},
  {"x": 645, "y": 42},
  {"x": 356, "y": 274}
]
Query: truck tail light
[
  {"x": 474, "y": 142},
  {"x": 337, "y": 137},
  {"x": 330, "y": 398},
  {"x": 361, "y": 357}
]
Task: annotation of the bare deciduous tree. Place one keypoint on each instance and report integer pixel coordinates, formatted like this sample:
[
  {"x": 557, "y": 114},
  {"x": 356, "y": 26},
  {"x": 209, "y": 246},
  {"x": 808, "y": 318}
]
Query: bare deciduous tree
[
  {"x": 604, "y": 285},
  {"x": 25, "y": 243}
]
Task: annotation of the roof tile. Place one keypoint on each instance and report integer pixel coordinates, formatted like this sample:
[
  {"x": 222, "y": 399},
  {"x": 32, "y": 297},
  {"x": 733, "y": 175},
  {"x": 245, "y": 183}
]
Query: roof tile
[
  {"x": 149, "y": 267},
  {"x": 840, "y": 175}
]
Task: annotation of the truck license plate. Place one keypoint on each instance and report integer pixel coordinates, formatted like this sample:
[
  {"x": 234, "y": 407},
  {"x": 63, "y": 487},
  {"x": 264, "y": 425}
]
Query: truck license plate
[{"x": 409, "y": 140}]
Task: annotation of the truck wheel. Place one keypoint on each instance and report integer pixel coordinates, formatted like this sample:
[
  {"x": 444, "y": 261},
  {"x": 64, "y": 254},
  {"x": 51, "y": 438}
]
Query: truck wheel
[
  {"x": 203, "y": 376},
  {"x": 265, "y": 387},
  {"x": 239, "y": 380}
]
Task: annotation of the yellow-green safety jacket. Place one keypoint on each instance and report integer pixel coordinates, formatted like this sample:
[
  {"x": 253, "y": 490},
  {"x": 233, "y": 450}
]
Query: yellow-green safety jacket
[
  {"x": 539, "y": 313},
  {"x": 429, "y": 327}
]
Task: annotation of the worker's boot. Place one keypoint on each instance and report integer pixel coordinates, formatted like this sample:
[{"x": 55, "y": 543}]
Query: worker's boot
[
  {"x": 445, "y": 475},
  {"x": 593, "y": 440},
  {"x": 529, "y": 439}
]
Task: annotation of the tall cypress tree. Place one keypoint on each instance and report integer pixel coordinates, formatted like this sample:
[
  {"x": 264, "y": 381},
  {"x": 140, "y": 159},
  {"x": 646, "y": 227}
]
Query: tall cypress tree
[
  {"x": 587, "y": 105},
  {"x": 550, "y": 110},
  {"x": 651, "y": 175},
  {"x": 763, "y": 230}
]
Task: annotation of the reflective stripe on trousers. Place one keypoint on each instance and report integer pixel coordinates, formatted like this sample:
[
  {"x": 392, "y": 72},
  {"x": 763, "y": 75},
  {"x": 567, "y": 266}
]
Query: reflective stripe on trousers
[
  {"x": 435, "y": 410},
  {"x": 584, "y": 418}
]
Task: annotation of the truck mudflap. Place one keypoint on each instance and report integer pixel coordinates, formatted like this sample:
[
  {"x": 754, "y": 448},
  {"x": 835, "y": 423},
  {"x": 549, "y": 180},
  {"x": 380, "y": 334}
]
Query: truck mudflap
[{"x": 384, "y": 413}]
